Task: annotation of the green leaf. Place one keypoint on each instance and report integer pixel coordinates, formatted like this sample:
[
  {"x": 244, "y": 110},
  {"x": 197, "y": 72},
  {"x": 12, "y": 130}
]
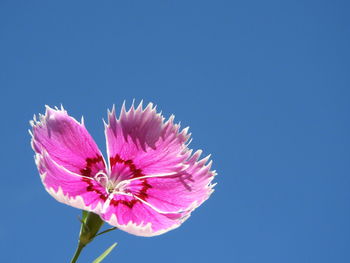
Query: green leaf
[
  {"x": 104, "y": 254},
  {"x": 106, "y": 231}
]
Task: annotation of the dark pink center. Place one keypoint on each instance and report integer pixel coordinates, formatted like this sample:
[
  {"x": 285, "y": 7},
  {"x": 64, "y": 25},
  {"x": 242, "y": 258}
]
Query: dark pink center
[
  {"x": 129, "y": 163},
  {"x": 89, "y": 162},
  {"x": 136, "y": 173}
]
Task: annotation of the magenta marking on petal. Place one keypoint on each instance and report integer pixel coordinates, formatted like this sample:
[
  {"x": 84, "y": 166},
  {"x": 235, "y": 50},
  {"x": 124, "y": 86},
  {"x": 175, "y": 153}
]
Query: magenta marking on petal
[
  {"x": 89, "y": 162},
  {"x": 91, "y": 188},
  {"x": 142, "y": 194},
  {"x": 129, "y": 203},
  {"x": 129, "y": 163}
]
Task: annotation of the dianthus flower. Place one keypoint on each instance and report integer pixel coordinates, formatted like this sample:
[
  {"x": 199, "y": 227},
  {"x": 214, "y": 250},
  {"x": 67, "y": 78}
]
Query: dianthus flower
[{"x": 151, "y": 182}]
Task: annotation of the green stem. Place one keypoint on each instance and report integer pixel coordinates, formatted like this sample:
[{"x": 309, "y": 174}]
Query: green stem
[{"x": 77, "y": 253}]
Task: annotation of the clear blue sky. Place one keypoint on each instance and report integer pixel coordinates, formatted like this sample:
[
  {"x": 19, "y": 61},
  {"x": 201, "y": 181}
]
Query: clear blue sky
[{"x": 263, "y": 85}]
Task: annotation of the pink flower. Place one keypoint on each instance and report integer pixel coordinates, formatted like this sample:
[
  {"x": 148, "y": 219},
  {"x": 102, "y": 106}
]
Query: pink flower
[{"x": 152, "y": 181}]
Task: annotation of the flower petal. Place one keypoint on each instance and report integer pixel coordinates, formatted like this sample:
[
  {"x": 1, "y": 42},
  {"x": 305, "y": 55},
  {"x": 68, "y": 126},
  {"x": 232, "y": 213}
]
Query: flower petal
[
  {"x": 69, "y": 188},
  {"x": 140, "y": 143},
  {"x": 133, "y": 216},
  {"x": 178, "y": 193},
  {"x": 67, "y": 142}
]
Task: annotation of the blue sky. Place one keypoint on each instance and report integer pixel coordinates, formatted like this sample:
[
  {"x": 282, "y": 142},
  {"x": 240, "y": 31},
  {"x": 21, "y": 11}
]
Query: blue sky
[{"x": 263, "y": 85}]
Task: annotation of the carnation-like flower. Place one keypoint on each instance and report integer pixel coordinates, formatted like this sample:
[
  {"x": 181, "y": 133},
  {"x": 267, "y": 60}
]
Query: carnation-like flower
[{"x": 151, "y": 182}]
